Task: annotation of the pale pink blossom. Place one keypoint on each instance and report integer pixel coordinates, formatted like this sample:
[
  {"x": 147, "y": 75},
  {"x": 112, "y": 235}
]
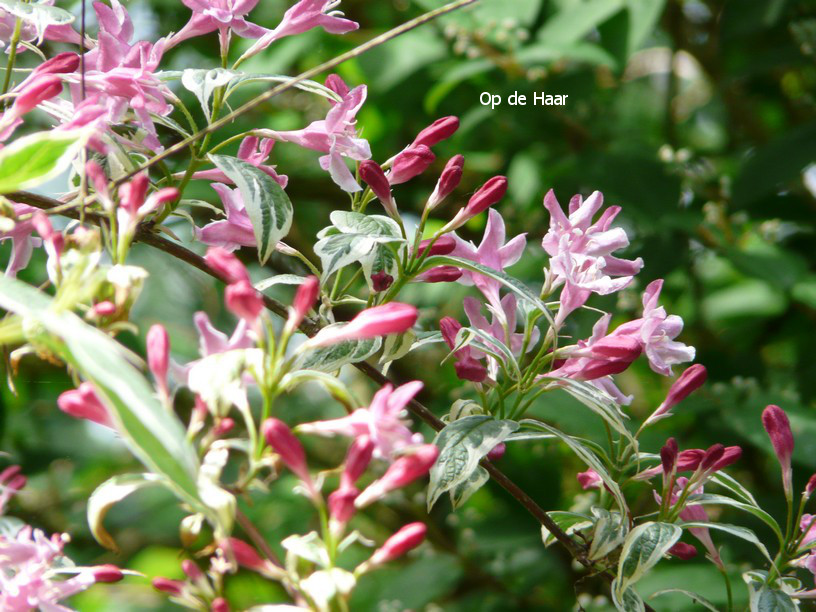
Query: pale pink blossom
[
  {"x": 252, "y": 150},
  {"x": 503, "y": 324},
  {"x": 807, "y": 525},
  {"x": 84, "y": 403},
  {"x": 493, "y": 253},
  {"x": 304, "y": 16},
  {"x": 695, "y": 513},
  {"x": 656, "y": 331},
  {"x": 22, "y": 241},
  {"x": 224, "y": 16},
  {"x": 158, "y": 355},
  {"x": 581, "y": 251},
  {"x": 336, "y": 135},
  {"x": 383, "y": 422},
  {"x": 391, "y": 318},
  {"x": 589, "y": 479},
  {"x": 32, "y": 31},
  {"x": 407, "y": 538}
]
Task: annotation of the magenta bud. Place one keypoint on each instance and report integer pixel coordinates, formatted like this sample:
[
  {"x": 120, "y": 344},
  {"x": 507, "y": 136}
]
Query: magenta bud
[
  {"x": 165, "y": 585},
  {"x": 219, "y": 604},
  {"x": 487, "y": 195},
  {"x": 373, "y": 175},
  {"x": 158, "y": 354},
  {"x": 402, "y": 472},
  {"x": 598, "y": 368},
  {"x": 443, "y": 246},
  {"x": 245, "y": 555},
  {"x": 497, "y": 452},
  {"x": 132, "y": 195},
  {"x": 104, "y": 309},
  {"x": 10, "y": 472},
  {"x": 618, "y": 348},
  {"x": 191, "y": 570},
  {"x": 59, "y": 64},
  {"x": 668, "y": 455},
  {"x": 439, "y": 130},
  {"x": 589, "y": 479},
  {"x": 83, "y": 403},
  {"x": 107, "y": 573},
  {"x": 689, "y": 460},
  {"x": 406, "y": 539},
  {"x": 284, "y": 442},
  {"x": 223, "y": 427},
  {"x": 244, "y": 301},
  {"x": 809, "y": 488},
  {"x": 469, "y": 368},
  {"x": 226, "y": 265},
  {"x": 712, "y": 456},
  {"x": 689, "y": 381},
  {"x": 411, "y": 162},
  {"x": 391, "y": 318},
  {"x": 357, "y": 460},
  {"x": 39, "y": 90},
  {"x": 337, "y": 85},
  {"x": 441, "y": 274},
  {"x": 380, "y": 281},
  {"x": 731, "y": 454},
  {"x": 776, "y": 423},
  {"x": 450, "y": 328},
  {"x": 341, "y": 504},
  {"x": 305, "y": 298},
  {"x": 683, "y": 551},
  {"x": 448, "y": 181}
]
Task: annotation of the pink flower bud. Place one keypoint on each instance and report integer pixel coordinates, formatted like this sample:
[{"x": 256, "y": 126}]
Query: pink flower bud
[
  {"x": 59, "y": 64},
  {"x": 243, "y": 301},
  {"x": 809, "y": 488},
  {"x": 83, "y": 403},
  {"x": 99, "y": 181},
  {"x": 411, "y": 162},
  {"x": 37, "y": 91},
  {"x": 487, "y": 195},
  {"x": 132, "y": 195},
  {"x": 341, "y": 504},
  {"x": 443, "y": 246},
  {"x": 440, "y": 274},
  {"x": 450, "y": 329},
  {"x": 466, "y": 366},
  {"x": 712, "y": 456},
  {"x": 380, "y": 281},
  {"x": 589, "y": 479},
  {"x": 776, "y": 423},
  {"x": 284, "y": 442},
  {"x": 158, "y": 355},
  {"x": 469, "y": 368},
  {"x": 683, "y": 551},
  {"x": 191, "y": 570},
  {"x": 107, "y": 573},
  {"x": 402, "y": 472},
  {"x": 54, "y": 240},
  {"x": 305, "y": 298},
  {"x": 104, "y": 309},
  {"x": 617, "y": 348},
  {"x": 219, "y": 604},
  {"x": 391, "y": 318},
  {"x": 372, "y": 173},
  {"x": 598, "y": 368},
  {"x": 245, "y": 555},
  {"x": 226, "y": 265},
  {"x": 439, "y": 130},
  {"x": 165, "y": 585},
  {"x": 497, "y": 452},
  {"x": 731, "y": 454},
  {"x": 807, "y": 525},
  {"x": 668, "y": 455},
  {"x": 448, "y": 181},
  {"x": 689, "y": 460},
  {"x": 407, "y": 538},
  {"x": 337, "y": 85},
  {"x": 223, "y": 427},
  {"x": 357, "y": 460},
  {"x": 689, "y": 381}
]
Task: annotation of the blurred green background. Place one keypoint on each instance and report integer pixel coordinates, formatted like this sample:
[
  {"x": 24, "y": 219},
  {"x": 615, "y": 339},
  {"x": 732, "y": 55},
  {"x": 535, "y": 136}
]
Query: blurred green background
[{"x": 696, "y": 117}]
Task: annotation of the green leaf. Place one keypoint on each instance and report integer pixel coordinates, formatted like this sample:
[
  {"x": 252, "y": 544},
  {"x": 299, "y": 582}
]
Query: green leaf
[
  {"x": 280, "y": 279},
  {"x": 203, "y": 81},
  {"x": 109, "y": 493},
  {"x": 586, "y": 454},
  {"x": 577, "y": 20},
  {"x": 267, "y": 204},
  {"x": 695, "y": 598},
  {"x": 768, "y": 598},
  {"x": 31, "y": 160},
  {"x": 39, "y": 15},
  {"x": 153, "y": 434},
  {"x": 710, "y": 499},
  {"x": 462, "y": 444},
  {"x": 461, "y": 492},
  {"x": 332, "y": 358},
  {"x": 735, "y": 530},
  {"x": 609, "y": 533},
  {"x": 644, "y": 547},
  {"x": 627, "y": 601},
  {"x": 569, "y": 522}
]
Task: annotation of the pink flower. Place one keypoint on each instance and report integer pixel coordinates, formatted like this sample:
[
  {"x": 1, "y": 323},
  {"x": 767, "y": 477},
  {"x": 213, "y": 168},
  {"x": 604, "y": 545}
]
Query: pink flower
[
  {"x": 303, "y": 16},
  {"x": 581, "y": 252},
  {"x": 439, "y": 130},
  {"x": 211, "y": 342},
  {"x": 357, "y": 459},
  {"x": 383, "y": 422},
  {"x": 448, "y": 181},
  {"x": 233, "y": 232},
  {"x": 135, "y": 204},
  {"x": 695, "y": 513},
  {"x": 409, "y": 163},
  {"x": 589, "y": 479},
  {"x": 444, "y": 245},
  {"x": 253, "y": 150},
  {"x": 467, "y": 366},
  {"x": 656, "y": 332},
  {"x": 807, "y": 525},
  {"x": 493, "y": 253},
  {"x": 223, "y": 15},
  {"x": 503, "y": 325},
  {"x": 33, "y": 31},
  {"x": 22, "y": 242},
  {"x": 158, "y": 355},
  {"x": 402, "y": 472},
  {"x": 776, "y": 423},
  {"x": 244, "y": 301},
  {"x": 336, "y": 135},
  {"x": 288, "y": 447},
  {"x": 227, "y": 265},
  {"x": 689, "y": 381},
  {"x": 305, "y": 297},
  {"x": 30, "y": 94},
  {"x": 372, "y": 173},
  {"x": 486, "y": 196},
  {"x": 391, "y": 318},
  {"x": 11, "y": 481},
  {"x": 84, "y": 403},
  {"x": 407, "y": 538}
]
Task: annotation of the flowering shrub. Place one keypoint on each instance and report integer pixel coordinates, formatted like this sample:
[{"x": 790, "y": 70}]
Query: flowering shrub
[{"x": 121, "y": 132}]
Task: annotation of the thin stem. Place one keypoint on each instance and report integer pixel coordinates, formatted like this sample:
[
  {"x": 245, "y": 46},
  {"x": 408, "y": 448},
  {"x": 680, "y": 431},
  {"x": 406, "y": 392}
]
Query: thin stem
[{"x": 15, "y": 40}]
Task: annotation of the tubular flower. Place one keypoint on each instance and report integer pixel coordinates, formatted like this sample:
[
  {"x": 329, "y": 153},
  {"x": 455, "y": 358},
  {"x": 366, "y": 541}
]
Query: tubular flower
[
  {"x": 23, "y": 242},
  {"x": 776, "y": 423},
  {"x": 448, "y": 181},
  {"x": 252, "y": 150},
  {"x": 225, "y": 16},
  {"x": 391, "y": 318},
  {"x": 233, "y": 232},
  {"x": 84, "y": 403},
  {"x": 467, "y": 366},
  {"x": 689, "y": 381},
  {"x": 402, "y": 472}
]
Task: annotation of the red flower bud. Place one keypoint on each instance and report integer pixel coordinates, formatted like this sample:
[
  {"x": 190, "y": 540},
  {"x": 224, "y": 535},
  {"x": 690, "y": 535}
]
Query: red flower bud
[
  {"x": 402, "y": 472},
  {"x": 439, "y": 130},
  {"x": 809, "y": 488},
  {"x": 441, "y": 274},
  {"x": 173, "y": 587},
  {"x": 59, "y": 64},
  {"x": 469, "y": 368},
  {"x": 668, "y": 455},
  {"x": 132, "y": 195},
  {"x": 683, "y": 551},
  {"x": 411, "y": 162},
  {"x": 107, "y": 573},
  {"x": 337, "y": 85},
  {"x": 497, "y": 452},
  {"x": 372, "y": 173},
  {"x": 487, "y": 195},
  {"x": 589, "y": 479},
  {"x": 391, "y": 318},
  {"x": 83, "y": 403},
  {"x": 380, "y": 281},
  {"x": 158, "y": 354},
  {"x": 37, "y": 91},
  {"x": 244, "y": 301},
  {"x": 219, "y": 604},
  {"x": 226, "y": 265},
  {"x": 448, "y": 180},
  {"x": 689, "y": 381},
  {"x": 245, "y": 555},
  {"x": 407, "y": 538},
  {"x": 223, "y": 427},
  {"x": 712, "y": 455},
  {"x": 357, "y": 460},
  {"x": 341, "y": 504},
  {"x": 284, "y": 442},
  {"x": 776, "y": 423},
  {"x": 443, "y": 246},
  {"x": 191, "y": 569},
  {"x": 305, "y": 298}
]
